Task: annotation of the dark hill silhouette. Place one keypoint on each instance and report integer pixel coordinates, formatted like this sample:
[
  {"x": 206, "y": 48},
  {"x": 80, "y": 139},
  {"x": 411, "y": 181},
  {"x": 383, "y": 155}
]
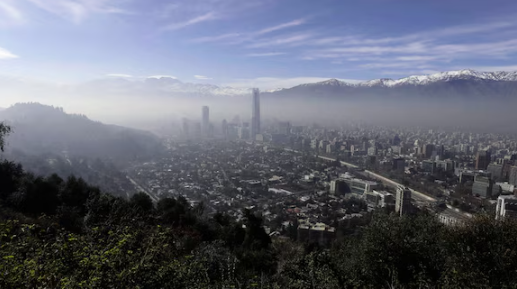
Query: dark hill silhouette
[{"x": 40, "y": 128}]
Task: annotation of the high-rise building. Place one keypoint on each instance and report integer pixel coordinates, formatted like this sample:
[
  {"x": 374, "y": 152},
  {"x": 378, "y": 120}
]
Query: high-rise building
[
  {"x": 403, "y": 201},
  {"x": 197, "y": 129},
  {"x": 224, "y": 128},
  {"x": 482, "y": 160},
  {"x": 255, "y": 114},
  {"x": 482, "y": 186},
  {"x": 506, "y": 207},
  {"x": 512, "y": 179},
  {"x": 399, "y": 164},
  {"x": 185, "y": 128},
  {"x": 496, "y": 170},
  {"x": 396, "y": 140},
  {"x": 205, "y": 121},
  {"x": 428, "y": 150},
  {"x": 244, "y": 131}
]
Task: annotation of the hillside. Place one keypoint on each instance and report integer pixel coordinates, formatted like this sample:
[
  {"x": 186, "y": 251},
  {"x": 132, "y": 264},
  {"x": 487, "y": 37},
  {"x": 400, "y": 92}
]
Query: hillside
[{"x": 40, "y": 129}]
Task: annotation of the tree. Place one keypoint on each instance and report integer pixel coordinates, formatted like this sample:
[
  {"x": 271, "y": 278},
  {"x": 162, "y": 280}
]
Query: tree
[
  {"x": 4, "y": 131},
  {"x": 75, "y": 193},
  {"x": 36, "y": 196},
  {"x": 256, "y": 238},
  {"x": 142, "y": 202},
  {"x": 10, "y": 176}
]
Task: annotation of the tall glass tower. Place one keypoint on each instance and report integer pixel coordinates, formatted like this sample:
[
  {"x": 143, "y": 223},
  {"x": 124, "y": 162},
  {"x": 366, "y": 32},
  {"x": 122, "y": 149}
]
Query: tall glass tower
[
  {"x": 205, "y": 123},
  {"x": 255, "y": 114}
]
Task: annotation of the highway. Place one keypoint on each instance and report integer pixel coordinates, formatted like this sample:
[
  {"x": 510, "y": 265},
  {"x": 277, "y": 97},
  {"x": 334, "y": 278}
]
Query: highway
[
  {"x": 140, "y": 188},
  {"x": 416, "y": 195}
]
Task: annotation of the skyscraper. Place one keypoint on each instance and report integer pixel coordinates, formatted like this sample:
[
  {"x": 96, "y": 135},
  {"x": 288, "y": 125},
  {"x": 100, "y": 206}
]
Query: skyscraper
[
  {"x": 482, "y": 160},
  {"x": 224, "y": 128},
  {"x": 403, "y": 201},
  {"x": 513, "y": 175},
  {"x": 255, "y": 114},
  {"x": 205, "y": 121}
]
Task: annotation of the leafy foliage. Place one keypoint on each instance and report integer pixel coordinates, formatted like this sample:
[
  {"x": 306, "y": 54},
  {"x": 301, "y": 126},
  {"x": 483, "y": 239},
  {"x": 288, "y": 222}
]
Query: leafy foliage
[
  {"x": 4, "y": 131},
  {"x": 57, "y": 233}
]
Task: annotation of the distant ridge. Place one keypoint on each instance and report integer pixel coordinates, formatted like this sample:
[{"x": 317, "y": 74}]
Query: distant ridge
[
  {"x": 496, "y": 83},
  {"x": 40, "y": 128},
  {"x": 461, "y": 84},
  {"x": 466, "y": 74}
]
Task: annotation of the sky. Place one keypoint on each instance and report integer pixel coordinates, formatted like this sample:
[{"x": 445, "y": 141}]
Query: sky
[{"x": 262, "y": 43}]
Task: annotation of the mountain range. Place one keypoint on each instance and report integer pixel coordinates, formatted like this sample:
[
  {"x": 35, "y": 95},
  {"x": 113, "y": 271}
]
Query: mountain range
[
  {"x": 461, "y": 83},
  {"x": 487, "y": 82}
]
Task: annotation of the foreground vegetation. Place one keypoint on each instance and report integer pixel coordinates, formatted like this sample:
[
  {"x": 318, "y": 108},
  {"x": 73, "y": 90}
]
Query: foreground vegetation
[{"x": 57, "y": 233}]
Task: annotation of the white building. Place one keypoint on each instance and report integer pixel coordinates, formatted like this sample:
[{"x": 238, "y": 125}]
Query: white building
[{"x": 506, "y": 207}]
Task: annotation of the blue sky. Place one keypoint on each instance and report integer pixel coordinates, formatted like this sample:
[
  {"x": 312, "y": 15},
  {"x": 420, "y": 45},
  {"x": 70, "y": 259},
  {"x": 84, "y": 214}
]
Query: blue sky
[{"x": 265, "y": 43}]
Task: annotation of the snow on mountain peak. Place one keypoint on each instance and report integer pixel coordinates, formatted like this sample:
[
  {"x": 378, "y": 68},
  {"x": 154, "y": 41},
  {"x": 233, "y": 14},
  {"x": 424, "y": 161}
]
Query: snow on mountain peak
[{"x": 430, "y": 78}]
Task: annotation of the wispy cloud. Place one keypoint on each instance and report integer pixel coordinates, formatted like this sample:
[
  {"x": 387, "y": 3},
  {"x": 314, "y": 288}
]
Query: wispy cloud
[
  {"x": 198, "y": 19},
  {"x": 238, "y": 38},
  {"x": 289, "y": 40},
  {"x": 162, "y": 76},
  {"x": 422, "y": 52},
  {"x": 215, "y": 38},
  {"x": 5, "y": 54},
  {"x": 281, "y": 26},
  {"x": 10, "y": 11},
  {"x": 202, "y": 77},
  {"x": 188, "y": 13},
  {"x": 119, "y": 75},
  {"x": 78, "y": 10},
  {"x": 496, "y": 68},
  {"x": 266, "y": 54}
]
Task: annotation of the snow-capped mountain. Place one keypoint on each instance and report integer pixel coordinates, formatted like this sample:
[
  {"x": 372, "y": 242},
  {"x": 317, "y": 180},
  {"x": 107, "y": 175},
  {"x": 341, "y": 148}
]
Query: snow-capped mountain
[
  {"x": 461, "y": 84},
  {"x": 465, "y": 74}
]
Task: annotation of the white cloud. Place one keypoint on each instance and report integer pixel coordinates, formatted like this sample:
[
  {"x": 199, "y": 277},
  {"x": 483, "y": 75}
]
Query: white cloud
[
  {"x": 268, "y": 83},
  {"x": 406, "y": 73},
  {"x": 265, "y": 54},
  {"x": 5, "y": 54},
  {"x": 78, "y": 10},
  {"x": 119, "y": 75},
  {"x": 425, "y": 51},
  {"x": 10, "y": 11},
  {"x": 416, "y": 47},
  {"x": 238, "y": 38},
  {"x": 199, "y": 19},
  {"x": 293, "y": 23},
  {"x": 290, "y": 40},
  {"x": 215, "y": 38},
  {"x": 162, "y": 76},
  {"x": 496, "y": 68},
  {"x": 202, "y": 77}
]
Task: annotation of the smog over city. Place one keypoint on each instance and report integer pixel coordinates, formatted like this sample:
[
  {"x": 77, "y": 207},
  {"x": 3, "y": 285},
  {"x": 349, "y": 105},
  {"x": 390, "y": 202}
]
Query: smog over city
[{"x": 258, "y": 144}]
